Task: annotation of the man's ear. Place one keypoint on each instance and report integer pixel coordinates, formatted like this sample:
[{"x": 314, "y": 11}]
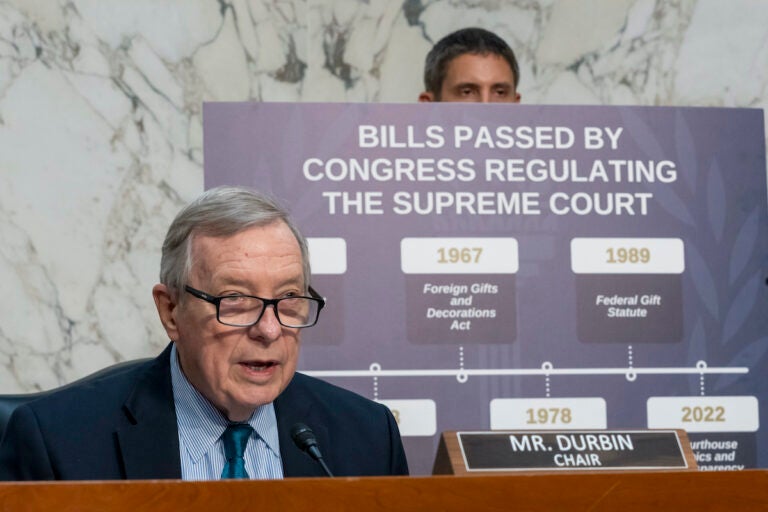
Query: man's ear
[
  {"x": 517, "y": 97},
  {"x": 167, "y": 308},
  {"x": 426, "y": 97}
]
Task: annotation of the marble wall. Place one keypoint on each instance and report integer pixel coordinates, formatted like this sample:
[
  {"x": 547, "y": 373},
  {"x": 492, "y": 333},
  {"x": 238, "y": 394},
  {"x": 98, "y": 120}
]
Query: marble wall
[{"x": 101, "y": 124}]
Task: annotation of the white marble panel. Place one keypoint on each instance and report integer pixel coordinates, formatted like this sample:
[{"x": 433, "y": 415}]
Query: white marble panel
[
  {"x": 719, "y": 64},
  {"x": 101, "y": 122}
]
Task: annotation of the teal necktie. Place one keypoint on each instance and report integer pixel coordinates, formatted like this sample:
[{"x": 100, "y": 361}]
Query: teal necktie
[{"x": 235, "y": 438}]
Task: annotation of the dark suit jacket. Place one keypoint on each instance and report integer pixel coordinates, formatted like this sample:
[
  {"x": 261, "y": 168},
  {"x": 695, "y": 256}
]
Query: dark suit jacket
[{"x": 123, "y": 426}]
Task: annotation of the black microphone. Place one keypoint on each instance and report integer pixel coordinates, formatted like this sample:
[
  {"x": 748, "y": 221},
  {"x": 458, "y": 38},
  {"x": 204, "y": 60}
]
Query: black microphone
[{"x": 305, "y": 440}]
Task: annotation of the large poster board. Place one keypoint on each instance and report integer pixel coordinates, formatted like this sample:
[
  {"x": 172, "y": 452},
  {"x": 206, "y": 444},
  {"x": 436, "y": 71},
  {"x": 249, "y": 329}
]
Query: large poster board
[{"x": 527, "y": 267}]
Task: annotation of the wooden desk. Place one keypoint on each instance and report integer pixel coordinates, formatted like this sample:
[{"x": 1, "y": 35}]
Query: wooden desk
[{"x": 625, "y": 492}]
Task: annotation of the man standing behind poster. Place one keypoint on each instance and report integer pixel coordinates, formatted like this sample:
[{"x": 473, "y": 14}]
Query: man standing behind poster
[{"x": 471, "y": 65}]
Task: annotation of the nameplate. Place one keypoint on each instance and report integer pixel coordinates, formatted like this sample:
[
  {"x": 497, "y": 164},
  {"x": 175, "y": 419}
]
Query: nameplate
[{"x": 572, "y": 450}]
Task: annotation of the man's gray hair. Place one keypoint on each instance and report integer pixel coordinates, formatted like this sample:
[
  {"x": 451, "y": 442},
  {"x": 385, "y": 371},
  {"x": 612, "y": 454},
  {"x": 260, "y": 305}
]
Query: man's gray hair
[{"x": 220, "y": 212}]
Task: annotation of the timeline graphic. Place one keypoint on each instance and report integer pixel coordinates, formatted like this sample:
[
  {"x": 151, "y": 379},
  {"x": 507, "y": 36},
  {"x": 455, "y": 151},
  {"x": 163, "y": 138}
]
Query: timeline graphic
[
  {"x": 742, "y": 412},
  {"x": 547, "y": 369},
  {"x": 483, "y": 261}
]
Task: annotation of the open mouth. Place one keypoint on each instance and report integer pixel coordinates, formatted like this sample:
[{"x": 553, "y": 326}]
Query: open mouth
[{"x": 259, "y": 366}]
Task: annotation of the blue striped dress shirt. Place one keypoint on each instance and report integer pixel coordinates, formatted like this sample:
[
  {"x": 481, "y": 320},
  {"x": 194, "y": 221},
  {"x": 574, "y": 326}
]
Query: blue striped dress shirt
[{"x": 201, "y": 425}]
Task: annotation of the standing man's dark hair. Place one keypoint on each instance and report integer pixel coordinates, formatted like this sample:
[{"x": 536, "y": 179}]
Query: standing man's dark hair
[{"x": 471, "y": 64}]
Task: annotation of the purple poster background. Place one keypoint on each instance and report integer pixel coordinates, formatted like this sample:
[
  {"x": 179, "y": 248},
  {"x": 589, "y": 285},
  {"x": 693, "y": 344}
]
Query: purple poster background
[{"x": 705, "y": 329}]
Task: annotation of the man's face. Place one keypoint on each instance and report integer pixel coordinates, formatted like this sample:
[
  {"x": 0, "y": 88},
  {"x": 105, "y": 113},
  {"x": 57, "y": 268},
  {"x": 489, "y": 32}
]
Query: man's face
[
  {"x": 477, "y": 78},
  {"x": 239, "y": 368}
]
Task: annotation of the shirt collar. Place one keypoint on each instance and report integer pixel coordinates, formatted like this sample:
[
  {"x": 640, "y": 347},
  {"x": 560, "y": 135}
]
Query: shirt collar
[{"x": 201, "y": 424}]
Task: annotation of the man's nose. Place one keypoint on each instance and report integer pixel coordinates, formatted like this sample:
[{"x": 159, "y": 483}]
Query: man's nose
[
  {"x": 267, "y": 328},
  {"x": 485, "y": 96}
]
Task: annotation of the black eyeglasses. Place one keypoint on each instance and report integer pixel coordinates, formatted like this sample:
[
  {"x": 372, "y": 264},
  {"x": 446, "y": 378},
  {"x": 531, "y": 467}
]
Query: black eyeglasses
[{"x": 246, "y": 310}]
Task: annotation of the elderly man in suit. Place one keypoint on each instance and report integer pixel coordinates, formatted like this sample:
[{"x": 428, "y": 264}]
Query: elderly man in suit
[{"x": 222, "y": 399}]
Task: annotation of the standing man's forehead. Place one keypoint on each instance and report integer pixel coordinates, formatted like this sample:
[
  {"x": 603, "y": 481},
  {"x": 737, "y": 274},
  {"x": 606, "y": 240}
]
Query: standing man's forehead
[{"x": 471, "y": 63}]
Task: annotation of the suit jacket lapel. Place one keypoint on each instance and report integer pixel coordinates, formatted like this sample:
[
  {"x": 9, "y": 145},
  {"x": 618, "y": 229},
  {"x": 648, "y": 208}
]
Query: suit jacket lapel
[
  {"x": 150, "y": 444},
  {"x": 291, "y": 408}
]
